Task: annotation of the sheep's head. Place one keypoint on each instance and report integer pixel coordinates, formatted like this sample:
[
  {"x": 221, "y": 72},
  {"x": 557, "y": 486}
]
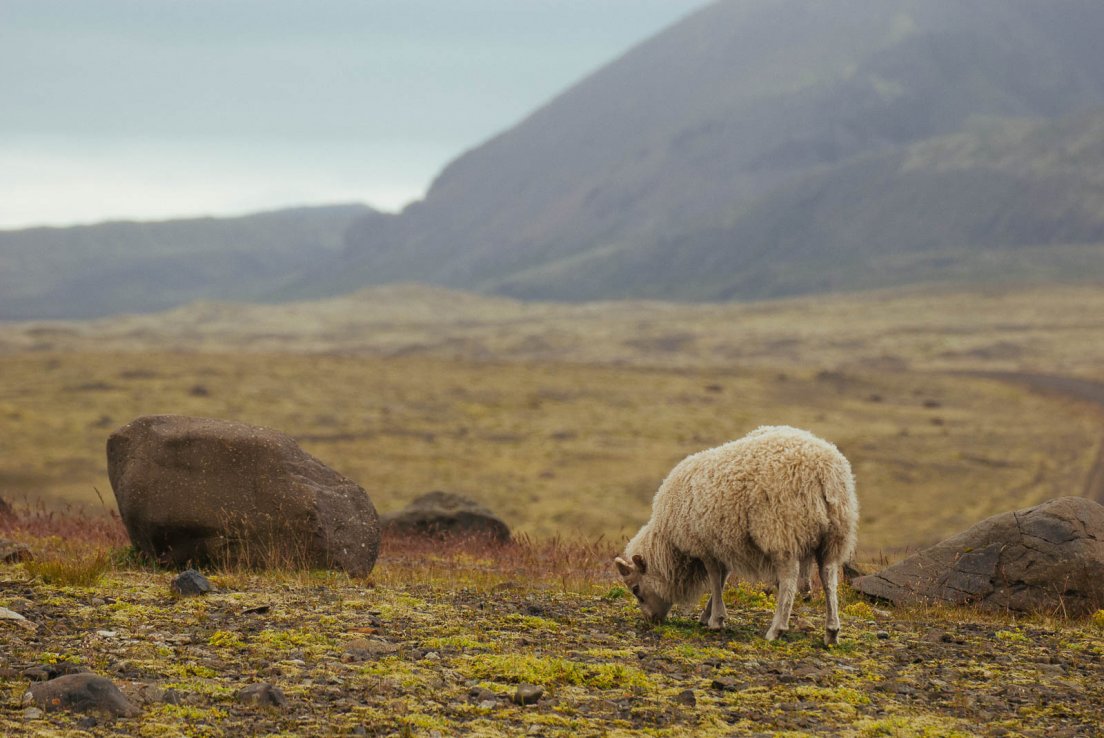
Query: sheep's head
[{"x": 642, "y": 585}]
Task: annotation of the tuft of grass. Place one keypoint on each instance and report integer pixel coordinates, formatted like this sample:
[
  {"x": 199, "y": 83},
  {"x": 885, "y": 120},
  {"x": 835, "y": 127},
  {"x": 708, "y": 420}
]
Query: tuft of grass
[
  {"x": 860, "y": 609},
  {"x": 74, "y": 569},
  {"x": 1098, "y": 619}
]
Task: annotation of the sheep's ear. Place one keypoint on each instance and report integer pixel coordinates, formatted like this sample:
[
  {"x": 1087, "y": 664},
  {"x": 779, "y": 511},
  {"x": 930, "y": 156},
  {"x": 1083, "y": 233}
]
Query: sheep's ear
[
  {"x": 623, "y": 566},
  {"x": 639, "y": 561}
]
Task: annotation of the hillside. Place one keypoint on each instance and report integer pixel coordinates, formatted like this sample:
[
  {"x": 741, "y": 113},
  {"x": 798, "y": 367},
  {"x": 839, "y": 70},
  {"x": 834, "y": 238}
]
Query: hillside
[
  {"x": 665, "y": 164},
  {"x": 89, "y": 271}
]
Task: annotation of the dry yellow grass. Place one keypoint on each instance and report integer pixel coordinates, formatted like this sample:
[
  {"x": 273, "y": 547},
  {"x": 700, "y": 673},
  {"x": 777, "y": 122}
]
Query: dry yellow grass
[{"x": 557, "y": 448}]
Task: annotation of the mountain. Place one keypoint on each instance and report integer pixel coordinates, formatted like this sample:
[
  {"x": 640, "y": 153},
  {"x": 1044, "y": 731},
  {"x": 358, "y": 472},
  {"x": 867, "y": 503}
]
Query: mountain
[
  {"x": 695, "y": 155},
  {"x": 89, "y": 271}
]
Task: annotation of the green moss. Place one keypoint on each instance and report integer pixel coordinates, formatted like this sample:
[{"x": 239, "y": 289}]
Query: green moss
[
  {"x": 551, "y": 671},
  {"x": 225, "y": 639}
]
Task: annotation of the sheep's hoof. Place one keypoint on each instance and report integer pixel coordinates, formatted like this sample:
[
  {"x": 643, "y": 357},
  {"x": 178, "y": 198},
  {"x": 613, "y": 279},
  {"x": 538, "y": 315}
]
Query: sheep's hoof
[
  {"x": 831, "y": 637},
  {"x": 704, "y": 619},
  {"x": 717, "y": 624},
  {"x": 774, "y": 633}
]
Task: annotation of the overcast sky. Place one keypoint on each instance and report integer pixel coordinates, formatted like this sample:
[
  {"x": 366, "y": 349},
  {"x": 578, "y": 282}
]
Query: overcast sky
[{"x": 144, "y": 109}]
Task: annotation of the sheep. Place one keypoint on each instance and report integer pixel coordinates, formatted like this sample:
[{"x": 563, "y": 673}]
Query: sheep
[{"x": 764, "y": 507}]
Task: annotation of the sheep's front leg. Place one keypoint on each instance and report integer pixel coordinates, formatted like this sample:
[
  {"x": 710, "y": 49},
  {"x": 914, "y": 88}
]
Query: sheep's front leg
[
  {"x": 715, "y": 608},
  {"x": 787, "y": 571},
  {"x": 707, "y": 612},
  {"x": 829, "y": 577}
]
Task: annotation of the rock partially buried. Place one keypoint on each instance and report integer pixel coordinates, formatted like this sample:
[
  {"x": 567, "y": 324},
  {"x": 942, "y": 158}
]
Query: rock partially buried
[
  {"x": 201, "y": 490},
  {"x": 81, "y": 693},
  {"x": 444, "y": 515},
  {"x": 527, "y": 694},
  {"x": 263, "y": 694},
  {"x": 190, "y": 583},
  {"x": 1043, "y": 559}
]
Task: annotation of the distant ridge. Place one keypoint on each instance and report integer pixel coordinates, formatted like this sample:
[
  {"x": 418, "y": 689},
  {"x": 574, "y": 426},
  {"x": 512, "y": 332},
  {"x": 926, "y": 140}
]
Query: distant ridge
[
  {"x": 735, "y": 154},
  {"x": 95, "y": 270}
]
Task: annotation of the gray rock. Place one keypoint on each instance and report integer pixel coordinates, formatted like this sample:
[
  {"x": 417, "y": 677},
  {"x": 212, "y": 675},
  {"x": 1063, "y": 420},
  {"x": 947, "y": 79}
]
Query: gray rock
[
  {"x": 527, "y": 694},
  {"x": 12, "y": 552},
  {"x": 445, "y": 514},
  {"x": 1043, "y": 559},
  {"x": 190, "y": 583},
  {"x": 686, "y": 697},
  {"x": 263, "y": 694},
  {"x": 46, "y": 672},
  {"x": 205, "y": 491},
  {"x": 81, "y": 693}
]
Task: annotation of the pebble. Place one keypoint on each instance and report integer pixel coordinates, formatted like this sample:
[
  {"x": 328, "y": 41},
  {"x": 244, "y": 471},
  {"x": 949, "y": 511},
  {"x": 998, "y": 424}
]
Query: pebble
[
  {"x": 32, "y": 713},
  {"x": 882, "y": 635}
]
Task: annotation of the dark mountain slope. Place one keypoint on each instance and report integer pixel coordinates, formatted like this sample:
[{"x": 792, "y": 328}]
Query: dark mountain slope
[
  {"x": 1016, "y": 201},
  {"x": 709, "y": 117},
  {"x": 88, "y": 271}
]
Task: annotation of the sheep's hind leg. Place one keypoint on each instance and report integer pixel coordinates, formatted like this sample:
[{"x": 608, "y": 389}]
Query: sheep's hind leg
[
  {"x": 805, "y": 579},
  {"x": 787, "y": 571},
  {"x": 829, "y": 577},
  {"x": 715, "y": 608}
]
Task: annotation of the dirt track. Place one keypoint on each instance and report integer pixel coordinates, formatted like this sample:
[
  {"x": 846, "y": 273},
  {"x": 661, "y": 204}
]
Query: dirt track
[{"x": 1082, "y": 390}]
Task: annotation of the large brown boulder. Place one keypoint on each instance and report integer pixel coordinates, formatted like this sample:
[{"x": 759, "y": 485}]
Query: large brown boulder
[
  {"x": 206, "y": 491},
  {"x": 1043, "y": 559},
  {"x": 447, "y": 515}
]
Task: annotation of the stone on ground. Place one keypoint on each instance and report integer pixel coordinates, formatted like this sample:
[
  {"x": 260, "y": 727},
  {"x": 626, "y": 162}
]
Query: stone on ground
[
  {"x": 206, "y": 491},
  {"x": 1043, "y": 559},
  {"x": 446, "y": 514}
]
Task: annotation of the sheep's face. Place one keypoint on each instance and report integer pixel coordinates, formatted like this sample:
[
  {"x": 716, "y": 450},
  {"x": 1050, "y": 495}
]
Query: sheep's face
[{"x": 641, "y": 584}]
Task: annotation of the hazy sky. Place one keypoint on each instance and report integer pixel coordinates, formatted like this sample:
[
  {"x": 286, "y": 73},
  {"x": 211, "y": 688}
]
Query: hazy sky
[{"x": 156, "y": 108}]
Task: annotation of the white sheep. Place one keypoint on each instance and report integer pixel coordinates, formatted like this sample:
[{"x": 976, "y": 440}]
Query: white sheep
[{"x": 763, "y": 507}]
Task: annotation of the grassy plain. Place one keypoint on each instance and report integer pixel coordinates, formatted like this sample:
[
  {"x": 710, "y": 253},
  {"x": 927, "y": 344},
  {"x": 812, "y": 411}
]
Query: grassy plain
[{"x": 565, "y": 418}]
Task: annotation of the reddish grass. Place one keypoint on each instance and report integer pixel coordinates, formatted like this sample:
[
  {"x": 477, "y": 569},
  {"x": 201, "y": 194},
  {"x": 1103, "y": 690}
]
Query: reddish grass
[
  {"x": 93, "y": 529},
  {"x": 571, "y": 564}
]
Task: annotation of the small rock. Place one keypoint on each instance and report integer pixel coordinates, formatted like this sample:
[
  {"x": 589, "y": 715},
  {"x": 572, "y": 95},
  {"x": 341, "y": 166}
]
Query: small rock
[
  {"x": 81, "y": 693},
  {"x": 257, "y": 610},
  {"x": 481, "y": 694},
  {"x": 263, "y": 694},
  {"x": 432, "y": 656},
  {"x": 686, "y": 697},
  {"x": 882, "y": 635},
  {"x": 46, "y": 672},
  {"x": 16, "y": 619},
  {"x": 488, "y": 704},
  {"x": 32, "y": 713},
  {"x": 362, "y": 649},
  {"x": 725, "y": 684},
  {"x": 528, "y": 694},
  {"x": 13, "y": 553},
  {"x": 191, "y": 583},
  {"x": 172, "y": 697}
]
